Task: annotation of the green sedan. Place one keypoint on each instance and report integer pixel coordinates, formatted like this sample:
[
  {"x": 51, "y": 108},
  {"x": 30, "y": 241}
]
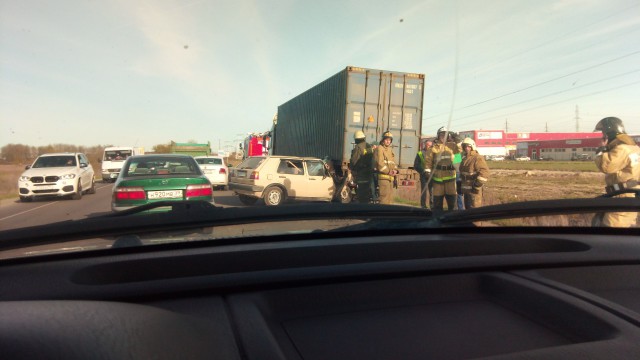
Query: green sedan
[{"x": 146, "y": 179}]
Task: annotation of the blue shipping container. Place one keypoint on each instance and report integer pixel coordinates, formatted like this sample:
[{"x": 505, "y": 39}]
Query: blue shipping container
[{"x": 322, "y": 121}]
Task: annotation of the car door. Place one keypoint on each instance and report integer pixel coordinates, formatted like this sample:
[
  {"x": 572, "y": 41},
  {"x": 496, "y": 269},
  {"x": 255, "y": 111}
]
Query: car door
[
  {"x": 292, "y": 175},
  {"x": 320, "y": 184},
  {"x": 85, "y": 170}
]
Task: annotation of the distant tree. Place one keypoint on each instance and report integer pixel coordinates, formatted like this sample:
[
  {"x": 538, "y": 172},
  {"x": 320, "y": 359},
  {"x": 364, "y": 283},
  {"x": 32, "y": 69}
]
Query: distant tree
[
  {"x": 17, "y": 153},
  {"x": 162, "y": 148}
]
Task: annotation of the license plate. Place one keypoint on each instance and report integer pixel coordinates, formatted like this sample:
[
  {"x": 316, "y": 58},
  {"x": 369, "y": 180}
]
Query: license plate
[
  {"x": 167, "y": 194},
  {"x": 208, "y": 171},
  {"x": 242, "y": 173},
  {"x": 46, "y": 187}
]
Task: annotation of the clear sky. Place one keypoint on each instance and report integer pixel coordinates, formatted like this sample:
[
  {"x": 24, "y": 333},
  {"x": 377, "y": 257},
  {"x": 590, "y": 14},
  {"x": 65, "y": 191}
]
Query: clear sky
[{"x": 147, "y": 72}]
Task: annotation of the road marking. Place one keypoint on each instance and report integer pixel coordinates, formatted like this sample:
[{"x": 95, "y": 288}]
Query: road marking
[
  {"x": 40, "y": 207},
  {"x": 24, "y": 212}
]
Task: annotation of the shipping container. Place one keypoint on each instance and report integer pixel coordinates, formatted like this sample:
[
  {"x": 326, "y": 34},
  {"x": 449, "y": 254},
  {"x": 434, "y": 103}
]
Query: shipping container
[{"x": 321, "y": 121}]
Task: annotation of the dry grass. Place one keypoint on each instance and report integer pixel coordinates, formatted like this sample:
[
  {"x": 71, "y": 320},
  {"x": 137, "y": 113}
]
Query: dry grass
[{"x": 9, "y": 175}]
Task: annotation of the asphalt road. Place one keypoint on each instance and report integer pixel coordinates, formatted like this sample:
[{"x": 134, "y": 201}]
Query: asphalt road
[{"x": 17, "y": 214}]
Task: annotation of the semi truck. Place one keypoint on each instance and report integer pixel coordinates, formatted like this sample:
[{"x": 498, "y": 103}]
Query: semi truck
[
  {"x": 321, "y": 121},
  {"x": 113, "y": 158}
]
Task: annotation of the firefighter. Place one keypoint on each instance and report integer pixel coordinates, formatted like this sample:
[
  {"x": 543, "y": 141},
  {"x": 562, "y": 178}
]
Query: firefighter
[
  {"x": 619, "y": 159},
  {"x": 419, "y": 166},
  {"x": 386, "y": 168},
  {"x": 361, "y": 165},
  {"x": 440, "y": 164},
  {"x": 474, "y": 173}
]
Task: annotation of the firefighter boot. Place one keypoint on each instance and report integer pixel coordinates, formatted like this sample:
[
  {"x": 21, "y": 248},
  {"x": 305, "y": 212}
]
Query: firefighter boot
[
  {"x": 438, "y": 202},
  {"x": 451, "y": 201}
]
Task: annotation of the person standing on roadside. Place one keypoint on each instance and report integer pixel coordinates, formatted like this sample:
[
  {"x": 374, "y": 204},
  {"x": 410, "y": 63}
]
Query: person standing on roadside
[
  {"x": 385, "y": 164},
  {"x": 474, "y": 173},
  {"x": 619, "y": 159},
  {"x": 440, "y": 163},
  {"x": 457, "y": 160},
  {"x": 361, "y": 165},
  {"x": 419, "y": 166}
]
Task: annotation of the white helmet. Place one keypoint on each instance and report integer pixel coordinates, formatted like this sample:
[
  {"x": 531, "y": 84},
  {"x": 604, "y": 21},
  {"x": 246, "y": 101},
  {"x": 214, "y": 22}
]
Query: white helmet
[
  {"x": 359, "y": 135},
  {"x": 469, "y": 141}
]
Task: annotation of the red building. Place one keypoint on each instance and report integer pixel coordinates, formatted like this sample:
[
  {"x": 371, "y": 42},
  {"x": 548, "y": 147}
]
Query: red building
[
  {"x": 499, "y": 142},
  {"x": 569, "y": 149}
]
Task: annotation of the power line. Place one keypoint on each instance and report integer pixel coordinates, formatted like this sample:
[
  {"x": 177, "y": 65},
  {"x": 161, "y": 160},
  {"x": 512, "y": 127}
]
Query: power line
[
  {"x": 555, "y": 103},
  {"x": 542, "y": 83},
  {"x": 551, "y": 94}
]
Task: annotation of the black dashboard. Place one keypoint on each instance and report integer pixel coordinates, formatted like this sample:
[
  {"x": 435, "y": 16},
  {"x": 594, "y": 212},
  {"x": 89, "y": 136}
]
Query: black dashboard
[{"x": 411, "y": 296}]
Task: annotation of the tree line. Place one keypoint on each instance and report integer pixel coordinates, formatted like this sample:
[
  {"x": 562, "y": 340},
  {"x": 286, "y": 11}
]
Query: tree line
[{"x": 25, "y": 154}]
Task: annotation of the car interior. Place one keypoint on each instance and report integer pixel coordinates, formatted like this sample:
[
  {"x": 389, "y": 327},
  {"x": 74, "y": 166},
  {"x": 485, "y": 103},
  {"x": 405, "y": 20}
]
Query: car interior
[{"x": 457, "y": 293}]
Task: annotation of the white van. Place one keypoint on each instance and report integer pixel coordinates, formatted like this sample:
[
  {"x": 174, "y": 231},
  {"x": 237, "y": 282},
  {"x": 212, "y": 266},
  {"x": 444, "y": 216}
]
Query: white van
[{"x": 113, "y": 159}]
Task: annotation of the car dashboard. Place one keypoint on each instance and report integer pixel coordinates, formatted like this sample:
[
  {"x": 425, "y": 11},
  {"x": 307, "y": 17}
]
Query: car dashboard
[{"x": 451, "y": 294}]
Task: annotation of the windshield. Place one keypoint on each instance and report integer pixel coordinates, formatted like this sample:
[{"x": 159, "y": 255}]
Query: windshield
[
  {"x": 209, "y": 161},
  {"x": 55, "y": 161},
  {"x": 112, "y": 155},
  {"x": 423, "y": 105}
]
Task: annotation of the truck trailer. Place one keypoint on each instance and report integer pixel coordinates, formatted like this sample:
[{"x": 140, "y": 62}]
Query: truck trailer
[{"x": 321, "y": 121}]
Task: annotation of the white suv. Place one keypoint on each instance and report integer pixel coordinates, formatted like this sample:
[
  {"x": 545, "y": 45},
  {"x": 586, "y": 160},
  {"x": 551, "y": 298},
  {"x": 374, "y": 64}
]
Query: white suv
[
  {"x": 60, "y": 174},
  {"x": 277, "y": 178}
]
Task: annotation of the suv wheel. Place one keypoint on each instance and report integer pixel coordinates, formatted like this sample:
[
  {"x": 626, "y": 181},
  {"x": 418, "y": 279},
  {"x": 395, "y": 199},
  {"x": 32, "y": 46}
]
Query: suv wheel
[
  {"x": 273, "y": 196},
  {"x": 247, "y": 200},
  {"x": 92, "y": 189},
  {"x": 78, "y": 193}
]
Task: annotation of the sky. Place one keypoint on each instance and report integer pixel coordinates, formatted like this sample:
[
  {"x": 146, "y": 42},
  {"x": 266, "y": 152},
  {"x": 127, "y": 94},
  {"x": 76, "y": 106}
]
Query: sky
[{"x": 120, "y": 72}]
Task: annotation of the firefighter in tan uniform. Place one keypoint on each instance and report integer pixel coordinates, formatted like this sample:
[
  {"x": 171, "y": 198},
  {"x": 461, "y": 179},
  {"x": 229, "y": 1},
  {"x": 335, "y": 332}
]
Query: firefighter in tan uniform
[
  {"x": 362, "y": 166},
  {"x": 440, "y": 163},
  {"x": 385, "y": 164},
  {"x": 474, "y": 173},
  {"x": 619, "y": 159}
]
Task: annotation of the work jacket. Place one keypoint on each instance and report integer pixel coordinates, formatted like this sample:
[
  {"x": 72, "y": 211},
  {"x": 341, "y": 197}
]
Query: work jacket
[
  {"x": 620, "y": 163},
  {"x": 440, "y": 160},
  {"x": 362, "y": 160},
  {"x": 474, "y": 172},
  {"x": 385, "y": 162}
]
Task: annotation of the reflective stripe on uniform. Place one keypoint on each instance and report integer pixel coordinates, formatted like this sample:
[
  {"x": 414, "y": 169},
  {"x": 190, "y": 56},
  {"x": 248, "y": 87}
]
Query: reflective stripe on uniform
[{"x": 385, "y": 177}]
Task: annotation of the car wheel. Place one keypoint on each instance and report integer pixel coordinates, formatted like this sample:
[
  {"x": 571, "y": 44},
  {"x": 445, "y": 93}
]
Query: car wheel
[
  {"x": 78, "y": 193},
  {"x": 247, "y": 200},
  {"x": 273, "y": 196},
  {"x": 25, "y": 199},
  {"x": 92, "y": 189}
]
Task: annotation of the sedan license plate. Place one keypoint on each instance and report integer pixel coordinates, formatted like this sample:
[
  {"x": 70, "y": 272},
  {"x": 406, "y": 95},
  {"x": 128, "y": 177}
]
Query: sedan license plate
[
  {"x": 242, "y": 173},
  {"x": 167, "y": 194}
]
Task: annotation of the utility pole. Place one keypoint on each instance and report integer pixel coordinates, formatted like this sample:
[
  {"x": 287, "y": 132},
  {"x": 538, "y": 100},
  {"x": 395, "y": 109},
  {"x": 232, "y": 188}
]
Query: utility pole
[
  {"x": 506, "y": 125},
  {"x": 577, "y": 120},
  {"x": 546, "y": 127}
]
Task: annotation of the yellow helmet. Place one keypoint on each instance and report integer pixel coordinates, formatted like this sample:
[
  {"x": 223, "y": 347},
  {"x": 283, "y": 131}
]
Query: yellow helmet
[
  {"x": 387, "y": 134},
  {"x": 359, "y": 135},
  {"x": 469, "y": 142}
]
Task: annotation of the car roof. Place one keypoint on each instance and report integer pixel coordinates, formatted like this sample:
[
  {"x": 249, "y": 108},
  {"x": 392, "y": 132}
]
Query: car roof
[
  {"x": 59, "y": 154},
  {"x": 176, "y": 156},
  {"x": 287, "y": 157}
]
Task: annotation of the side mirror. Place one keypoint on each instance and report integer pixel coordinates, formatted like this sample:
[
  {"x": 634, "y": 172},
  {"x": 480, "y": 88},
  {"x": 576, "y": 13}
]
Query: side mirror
[
  {"x": 27, "y": 167},
  {"x": 99, "y": 161}
]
